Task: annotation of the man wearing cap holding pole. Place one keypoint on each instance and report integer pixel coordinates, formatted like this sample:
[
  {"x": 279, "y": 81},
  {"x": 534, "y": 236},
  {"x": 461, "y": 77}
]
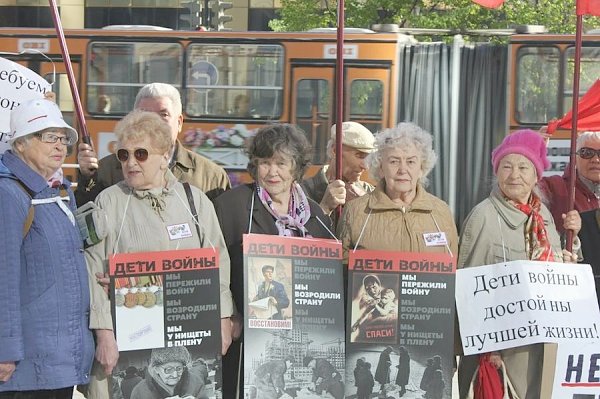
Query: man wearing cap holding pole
[{"x": 357, "y": 143}]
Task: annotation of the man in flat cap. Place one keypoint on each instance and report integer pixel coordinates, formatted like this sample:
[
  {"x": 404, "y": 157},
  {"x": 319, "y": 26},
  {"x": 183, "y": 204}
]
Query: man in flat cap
[{"x": 357, "y": 143}]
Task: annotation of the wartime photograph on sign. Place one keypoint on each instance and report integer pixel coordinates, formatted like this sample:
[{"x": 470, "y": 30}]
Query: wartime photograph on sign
[
  {"x": 399, "y": 328},
  {"x": 167, "y": 325},
  {"x": 296, "y": 349},
  {"x": 177, "y": 371}
]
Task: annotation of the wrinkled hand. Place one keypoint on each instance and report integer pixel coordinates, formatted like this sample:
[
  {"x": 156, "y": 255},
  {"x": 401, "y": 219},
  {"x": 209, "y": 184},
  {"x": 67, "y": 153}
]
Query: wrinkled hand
[
  {"x": 226, "y": 334},
  {"x": 50, "y": 96},
  {"x": 335, "y": 195},
  {"x": 569, "y": 257},
  {"x": 103, "y": 280},
  {"x": 6, "y": 370},
  {"x": 572, "y": 221},
  {"x": 496, "y": 359},
  {"x": 107, "y": 353},
  {"x": 354, "y": 191},
  {"x": 88, "y": 159}
]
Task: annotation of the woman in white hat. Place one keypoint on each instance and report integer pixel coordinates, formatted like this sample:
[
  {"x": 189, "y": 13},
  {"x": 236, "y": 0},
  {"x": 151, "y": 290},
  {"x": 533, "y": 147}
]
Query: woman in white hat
[{"x": 46, "y": 346}]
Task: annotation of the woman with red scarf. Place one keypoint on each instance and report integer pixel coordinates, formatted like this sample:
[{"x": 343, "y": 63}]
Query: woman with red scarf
[{"x": 513, "y": 224}]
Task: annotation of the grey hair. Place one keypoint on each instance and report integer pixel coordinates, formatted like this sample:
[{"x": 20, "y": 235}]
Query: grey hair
[
  {"x": 280, "y": 137},
  {"x": 139, "y": 124},
  {"x": 400, "y": 136},
  {"x": 585, "y": 136},
  {"x": 154, "y": 90}
]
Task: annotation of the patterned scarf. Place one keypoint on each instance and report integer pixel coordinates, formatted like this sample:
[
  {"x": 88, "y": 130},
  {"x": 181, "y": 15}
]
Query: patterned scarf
[
  {"x": 56, "y": 179},
  {"x": 537, "y": 244},
  {"x": 292, "y": 224}
]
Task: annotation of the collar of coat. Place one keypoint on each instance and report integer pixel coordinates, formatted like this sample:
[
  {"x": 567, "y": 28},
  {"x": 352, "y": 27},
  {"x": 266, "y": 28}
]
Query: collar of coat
[
  {"x": 379, "y": 200},
  {"x": 181, "y": 157},
  {"x": 507, "y": 211}
]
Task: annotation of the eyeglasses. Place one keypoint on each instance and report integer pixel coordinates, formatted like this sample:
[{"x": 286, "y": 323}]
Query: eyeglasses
[
  {"x": 47, "y": 137},
  {"x": 170, "y": 370},
  {"x": 588, "y": 153},
  {"x": 140, "y": 154}
]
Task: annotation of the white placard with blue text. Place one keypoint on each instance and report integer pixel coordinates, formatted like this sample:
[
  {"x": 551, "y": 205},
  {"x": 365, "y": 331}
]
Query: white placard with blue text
[{"x": 525, "y": 302}]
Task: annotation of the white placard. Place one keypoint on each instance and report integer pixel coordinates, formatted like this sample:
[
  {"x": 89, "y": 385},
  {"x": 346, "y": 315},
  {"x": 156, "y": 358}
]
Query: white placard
[
  {"x": 525, "y": 302},
  {"x": 577, "y": 371},
  {"x": 17, "y": 84}
]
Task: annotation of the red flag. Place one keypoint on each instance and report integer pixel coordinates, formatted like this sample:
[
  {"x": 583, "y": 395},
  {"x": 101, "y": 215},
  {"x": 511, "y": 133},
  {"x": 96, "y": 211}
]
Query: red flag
[
  {"x": 588, "y": 7},
  {"x": 491, "y": 3},
  {"x": 588, "y": 115}
]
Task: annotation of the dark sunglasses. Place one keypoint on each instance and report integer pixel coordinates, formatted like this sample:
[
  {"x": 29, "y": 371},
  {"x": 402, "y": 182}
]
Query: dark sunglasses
[
  {"x": 140, "y": 154},
  {"x": 588, "y": 153}
]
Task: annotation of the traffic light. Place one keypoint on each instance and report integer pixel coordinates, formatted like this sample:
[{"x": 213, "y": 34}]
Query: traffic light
[
  {"x": 219, "y": 17},
  {"x": 190, "y": 15}
]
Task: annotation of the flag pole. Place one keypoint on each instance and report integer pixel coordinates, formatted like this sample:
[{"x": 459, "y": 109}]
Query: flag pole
[
  {"x": 574, "y": 118},
  {"x": 85, "y": 136},
  {"x": 339, "y": 98}
]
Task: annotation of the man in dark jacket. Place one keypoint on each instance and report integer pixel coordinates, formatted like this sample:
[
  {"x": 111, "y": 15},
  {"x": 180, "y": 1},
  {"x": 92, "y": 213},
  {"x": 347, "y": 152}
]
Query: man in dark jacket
[
  {"x": 269, "y": 381},
  {"x": 325, "y": 377},
  {"x": 273, "y": 290}
]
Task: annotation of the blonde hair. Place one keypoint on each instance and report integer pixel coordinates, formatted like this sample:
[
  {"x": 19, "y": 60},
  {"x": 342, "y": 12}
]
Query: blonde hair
[{"x": 138, "y": 125}]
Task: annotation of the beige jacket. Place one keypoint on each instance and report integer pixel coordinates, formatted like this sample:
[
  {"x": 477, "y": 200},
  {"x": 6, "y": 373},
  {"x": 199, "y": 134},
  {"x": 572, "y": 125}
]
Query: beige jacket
[
  {"x": 492, "y": 222},
  {"x": 144, "y": 229},
  {"x": 393, "y": 228}
]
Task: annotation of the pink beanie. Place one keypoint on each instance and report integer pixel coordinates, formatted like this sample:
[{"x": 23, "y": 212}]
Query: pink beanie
[{"x": 526, "y": 142}]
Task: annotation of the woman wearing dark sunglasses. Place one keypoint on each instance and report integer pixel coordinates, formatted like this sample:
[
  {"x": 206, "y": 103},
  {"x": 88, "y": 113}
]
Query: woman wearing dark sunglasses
[
  {"x": 587, "y": 185},
  {"x": 148, "y": 211}
]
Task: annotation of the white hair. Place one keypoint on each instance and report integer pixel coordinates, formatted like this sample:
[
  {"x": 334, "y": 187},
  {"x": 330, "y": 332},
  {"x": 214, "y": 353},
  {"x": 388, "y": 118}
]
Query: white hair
[
  {"x": 400, "y": 136},
  {"x": 155, "y": 90},
  {"x": 585, "y": 136}
]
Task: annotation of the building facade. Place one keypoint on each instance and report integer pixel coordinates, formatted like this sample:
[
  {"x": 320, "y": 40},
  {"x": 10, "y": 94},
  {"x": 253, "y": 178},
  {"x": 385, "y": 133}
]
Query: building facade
[{"x": 246, "y": 15}]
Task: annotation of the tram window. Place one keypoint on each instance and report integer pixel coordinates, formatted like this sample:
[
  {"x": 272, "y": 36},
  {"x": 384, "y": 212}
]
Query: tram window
[
  {"x": 366, "y": 99},
  {"x": 117, "y": 71},
  {"x": 238, "y": 81},
  {"x": 313, "y": 99},
  {"x": 537, "y": 84},
  {"x": 590, "y": 71}
]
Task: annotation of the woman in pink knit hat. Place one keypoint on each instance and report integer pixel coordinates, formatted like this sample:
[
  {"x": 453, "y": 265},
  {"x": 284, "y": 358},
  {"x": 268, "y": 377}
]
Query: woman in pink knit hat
[{"x": 513, "y": 224}]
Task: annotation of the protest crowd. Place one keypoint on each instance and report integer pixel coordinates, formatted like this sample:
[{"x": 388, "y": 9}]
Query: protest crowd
[{"x": 153, "y": 194}]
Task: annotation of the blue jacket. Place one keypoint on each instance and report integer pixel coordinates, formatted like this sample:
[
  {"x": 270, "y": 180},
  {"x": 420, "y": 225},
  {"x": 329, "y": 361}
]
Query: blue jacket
[{"x": 44, "y": 294}]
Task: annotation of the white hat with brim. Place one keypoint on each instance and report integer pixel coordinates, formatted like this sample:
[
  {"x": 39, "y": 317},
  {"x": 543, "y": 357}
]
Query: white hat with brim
[
  {"x": 36, "y": 115},
  {"x": 356, "y": 136}
]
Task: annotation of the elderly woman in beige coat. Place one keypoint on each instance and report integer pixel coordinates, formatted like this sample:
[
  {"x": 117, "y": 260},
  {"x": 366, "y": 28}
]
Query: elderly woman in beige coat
[
  {"x": 399, "y": 215},
  {"x": 141, "y": 212},
  {"x": 513, "y": 224}
]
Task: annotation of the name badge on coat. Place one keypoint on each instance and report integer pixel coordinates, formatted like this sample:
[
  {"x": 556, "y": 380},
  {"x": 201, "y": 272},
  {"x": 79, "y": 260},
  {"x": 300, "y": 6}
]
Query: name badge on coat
[
  {"x": 435, "y": 239},
  {"x": 179, "y": 231}
]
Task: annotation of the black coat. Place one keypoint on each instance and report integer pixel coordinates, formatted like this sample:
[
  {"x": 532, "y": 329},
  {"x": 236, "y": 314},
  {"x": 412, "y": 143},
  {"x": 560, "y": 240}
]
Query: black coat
[
  {"x": 590, "y": 243},
  {"x": 233, "y": 212}
]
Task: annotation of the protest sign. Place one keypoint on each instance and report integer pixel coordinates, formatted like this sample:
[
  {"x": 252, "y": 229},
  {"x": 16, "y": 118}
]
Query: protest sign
[
  {"x": 400, "y": 324},
  {"x": 577, "y": 370},
  {"x": 294, "y": 318},
  {"x": 166, "y": 306},
  {"x": 17, "y": 84},
  {"x": 525, "y": 302}
]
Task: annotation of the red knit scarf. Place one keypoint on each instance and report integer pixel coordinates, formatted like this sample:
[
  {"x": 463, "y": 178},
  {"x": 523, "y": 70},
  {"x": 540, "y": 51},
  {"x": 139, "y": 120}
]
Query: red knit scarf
[{"x": 537, "y": 244}]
